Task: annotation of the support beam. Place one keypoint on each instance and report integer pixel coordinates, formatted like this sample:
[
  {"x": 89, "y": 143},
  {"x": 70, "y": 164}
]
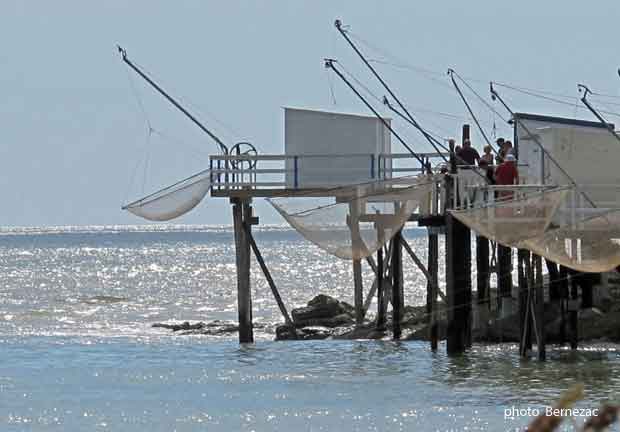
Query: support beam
[
  {"x": 540, "y": 308},
  {"x": 525, "y": 319},
  {"x": 243, "y": 211},
  {"x": 504, "y": 273},
  {"x": 418, "y": 262},
  {"x": 433, "y": 269},
  {"x": 396, "y": 285},
  {"x": 358, "y": 292},
  {"x": 373, "y": 288},
  {"x": 432, "y": 289},
  {"x": 482, "y": 266},
  {"x": 587, "y": 282},
  {"x": 357, "y": 244},
  {"x": 563, "y": 284},
  {"x": 458, "y": 285},
  {"x": 554, "y": 281},
  {"x": 381, "y": 309},
  {"x": 573, "y": 310},
  {"x": 270, "y": 281}
]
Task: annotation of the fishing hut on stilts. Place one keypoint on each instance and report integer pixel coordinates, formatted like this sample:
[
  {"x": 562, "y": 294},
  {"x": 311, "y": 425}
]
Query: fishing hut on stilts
[{"x": 340, "y": 185}]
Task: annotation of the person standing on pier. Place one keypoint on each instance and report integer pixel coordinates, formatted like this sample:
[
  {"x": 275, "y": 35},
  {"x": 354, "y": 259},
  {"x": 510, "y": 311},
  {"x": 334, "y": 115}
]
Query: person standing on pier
[
  {"x": 487, "y": 156},
  {"x": 468, "y": 154},
  {"x": 507, "y": 174}
]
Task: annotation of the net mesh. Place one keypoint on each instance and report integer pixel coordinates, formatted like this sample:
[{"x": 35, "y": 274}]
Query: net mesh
[
  {"x": 353, "y": 222},
  {"x": 172, "y": 201},
  {"x": 592, "y": 245},
  {"x": 552, "y": 224},
  {"x": 510, "y": 221}
]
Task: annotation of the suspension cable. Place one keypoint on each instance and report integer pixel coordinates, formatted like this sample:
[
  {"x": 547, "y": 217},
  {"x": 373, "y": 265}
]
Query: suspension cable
[
  {"x": 343, "y": 32},
  {"x": 452, "y": 73},
  {"x": 330, "y": 64},
  {"x": 218, "y": 141},
  {"x": 495, "y": 96},
  {"x": 583, "y": 88}
]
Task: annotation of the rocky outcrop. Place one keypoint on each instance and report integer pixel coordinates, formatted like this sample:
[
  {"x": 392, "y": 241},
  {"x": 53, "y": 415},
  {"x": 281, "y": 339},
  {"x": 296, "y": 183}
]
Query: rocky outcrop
[
  {"x": 323, "y": 311},
  {"x": 211, "y": 328},
  {"x": 177, "y": 327},
  {"x": 326, "y": 317},
  {"x": 318, "y": 319}
]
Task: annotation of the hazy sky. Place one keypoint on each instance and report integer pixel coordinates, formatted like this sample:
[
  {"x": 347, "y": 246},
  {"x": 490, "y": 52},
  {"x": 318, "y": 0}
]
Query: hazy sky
[{"x": 72, "y": 131}]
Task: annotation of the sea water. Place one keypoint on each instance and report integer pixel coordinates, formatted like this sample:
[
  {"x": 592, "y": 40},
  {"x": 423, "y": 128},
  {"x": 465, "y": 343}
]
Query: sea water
[{"x": 78, "y": 351}]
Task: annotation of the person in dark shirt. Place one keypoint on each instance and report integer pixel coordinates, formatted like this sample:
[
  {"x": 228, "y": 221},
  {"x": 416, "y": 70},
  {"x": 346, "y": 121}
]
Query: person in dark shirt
[
  {"x": 468, "y": 154},
  {"x": 501, "y": 153}
]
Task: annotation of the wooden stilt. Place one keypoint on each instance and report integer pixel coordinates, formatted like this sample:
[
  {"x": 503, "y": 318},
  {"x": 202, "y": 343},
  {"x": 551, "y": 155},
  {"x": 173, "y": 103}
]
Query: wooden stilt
[
  {"x": 554, "y": 283},
  {"x": 525, "y": 327},
  {"x": 381, "y": 318},
  {"x": 587, "y": 281},
  {"x": 504, "y": 273},
  {"x": 573, "y": 310},
  {"x": 357, "y": 244},
  {"x": 458, "y": 285},
  {"x": 396, "y": 285},
  {"x": 432, "y": 288},
  {"x": 482, "y": 264},
  {"x": 540, "y": 308},
  {"x": 373, "y": 289},
  {"x": 563, "y": 284},
  {"x": 433, "y": 268},
  {"x": 243, "y": 211},
  {"x": 358, "y": 292},
  {"x": 417, "y": 261},
  {"x": 270, "y": 281}
]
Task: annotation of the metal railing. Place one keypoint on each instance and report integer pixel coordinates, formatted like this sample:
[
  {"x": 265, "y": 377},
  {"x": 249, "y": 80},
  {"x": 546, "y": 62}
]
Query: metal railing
[{"x": 229, "y": 172}]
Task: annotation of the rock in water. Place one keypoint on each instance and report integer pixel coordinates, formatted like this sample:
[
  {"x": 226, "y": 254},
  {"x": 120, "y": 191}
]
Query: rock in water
[
  {"x": 183, "y": 326},
  {"x": 324, "y": 311},
  {"x": 284, "y": 332}
]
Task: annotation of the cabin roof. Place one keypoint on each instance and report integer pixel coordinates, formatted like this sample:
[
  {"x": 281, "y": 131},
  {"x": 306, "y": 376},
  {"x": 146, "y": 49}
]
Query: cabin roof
[
  {"x": 340, "y": 113},
  {"x": 561, "y": 120}
]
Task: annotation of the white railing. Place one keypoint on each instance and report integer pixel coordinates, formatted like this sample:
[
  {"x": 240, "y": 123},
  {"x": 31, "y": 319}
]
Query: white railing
[{"x": 229, "y": 172}]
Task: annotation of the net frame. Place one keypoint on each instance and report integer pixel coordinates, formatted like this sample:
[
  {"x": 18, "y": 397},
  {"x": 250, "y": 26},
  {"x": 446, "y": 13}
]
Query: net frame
[{"x": 183, "y": 196}]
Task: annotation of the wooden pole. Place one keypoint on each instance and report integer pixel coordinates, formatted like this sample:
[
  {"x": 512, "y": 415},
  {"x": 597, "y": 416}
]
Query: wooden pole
[
  {"x": 554, "y": 283},
  {"x": 373, "y": 289},
  {"x": 504, "y": 272},
  {"x": 243, "y": 211},
  {"x": 563, "y": 283},
  {"x": 357, "y": 244},
  {"x": 270, "y": 281},
  {"x": 358, "y": 292},
  {"x": 396, "y": 285},
  {"x": 458, "y": 285},
  {"x": 525, "y": 327},
  {"x": 417, "y": 261},
  {"x": 381, "y": 318},
  {"x": 573, "y": 310},
  {"x": 482, "y": 264},
  {"x": 540, "y": 308},
  {"x": 432, "y": 266},
  {"x": 432, "y": 288}
]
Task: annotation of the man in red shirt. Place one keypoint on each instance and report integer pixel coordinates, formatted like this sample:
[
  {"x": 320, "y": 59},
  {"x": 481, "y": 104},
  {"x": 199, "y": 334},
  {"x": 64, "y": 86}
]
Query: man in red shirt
[{"x": 507, "y": 174}]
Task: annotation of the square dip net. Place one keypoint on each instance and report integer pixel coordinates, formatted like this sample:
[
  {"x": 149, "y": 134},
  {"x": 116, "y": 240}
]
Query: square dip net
[
  {"x": 354, "y": 221},
  {"x": 172, "y": 201},
  {"x": 554, "y": 224}
]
